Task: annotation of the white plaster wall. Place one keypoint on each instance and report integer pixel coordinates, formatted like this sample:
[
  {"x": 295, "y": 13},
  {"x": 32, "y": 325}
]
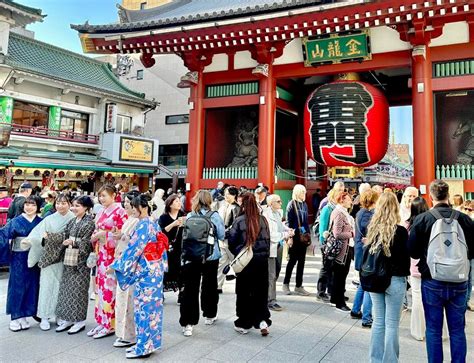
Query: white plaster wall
[
  {"x": 385, "y": 39},
  {"x": 220, "y": 62},
  {"x": 159, "y": 82},
  {"x": 292, "y": 53},
  {"x": 453, "y": 33},
  {"x": 244, "y": 60}
]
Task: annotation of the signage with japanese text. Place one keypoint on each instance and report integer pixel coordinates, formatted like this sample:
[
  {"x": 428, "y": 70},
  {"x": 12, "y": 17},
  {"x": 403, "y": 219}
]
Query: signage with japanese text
[
  {"x": 136, "y": 150},
  {"x": 110, "y": 117},
  {"x": 336, "y": 49}
]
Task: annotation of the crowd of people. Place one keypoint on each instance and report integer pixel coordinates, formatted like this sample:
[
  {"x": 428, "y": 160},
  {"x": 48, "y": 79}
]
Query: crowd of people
[{"x": 124, "y": 250}]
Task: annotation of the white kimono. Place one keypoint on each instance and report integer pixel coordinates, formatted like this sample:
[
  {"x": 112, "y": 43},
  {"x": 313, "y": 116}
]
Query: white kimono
[{"x": 51, "y": 275}]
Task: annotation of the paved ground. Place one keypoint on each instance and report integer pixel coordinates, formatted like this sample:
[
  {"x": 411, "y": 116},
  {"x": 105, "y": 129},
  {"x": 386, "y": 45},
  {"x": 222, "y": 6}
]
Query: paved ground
[{"x": 306, "y": 331}]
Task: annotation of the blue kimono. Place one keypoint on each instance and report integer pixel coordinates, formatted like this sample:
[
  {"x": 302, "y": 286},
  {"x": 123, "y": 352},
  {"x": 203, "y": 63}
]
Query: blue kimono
[
  {"x": 132, "y": 268},
  {"x": 23, "y": 283}
]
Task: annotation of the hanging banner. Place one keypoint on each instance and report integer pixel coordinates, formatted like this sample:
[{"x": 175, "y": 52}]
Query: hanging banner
[
  {"x": 110, "y": 117},
  {"x": 336, "y": 49},
  {"x": 54, "y": 121},
  {"x": 6, "y": 109}
]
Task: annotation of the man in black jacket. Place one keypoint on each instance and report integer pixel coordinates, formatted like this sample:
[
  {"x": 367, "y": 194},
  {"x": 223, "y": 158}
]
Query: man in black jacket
[
  {"x": 16, "y": 208},
  {"x": 439, "y": 296}
]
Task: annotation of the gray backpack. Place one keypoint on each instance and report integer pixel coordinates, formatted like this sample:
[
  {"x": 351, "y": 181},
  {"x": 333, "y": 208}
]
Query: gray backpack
[{"x": 447, "y": 256}]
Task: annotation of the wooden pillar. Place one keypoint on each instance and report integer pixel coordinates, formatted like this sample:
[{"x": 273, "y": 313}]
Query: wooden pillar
[
  {"x": 423, "y": 124},
  {"x": 196, "y": 138},
  {"x": 266, "y": 130}
]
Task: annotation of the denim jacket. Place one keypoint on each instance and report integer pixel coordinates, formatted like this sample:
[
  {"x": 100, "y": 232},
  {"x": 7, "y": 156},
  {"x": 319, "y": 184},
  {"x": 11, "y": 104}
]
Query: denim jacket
[{"x": 219, "y": 229}]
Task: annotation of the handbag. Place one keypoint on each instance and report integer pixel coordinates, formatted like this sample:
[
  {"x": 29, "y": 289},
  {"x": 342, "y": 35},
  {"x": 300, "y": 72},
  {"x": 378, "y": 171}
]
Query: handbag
[
  {"x": 241, "y": 260},
  {"x": 71, "y": 255},
  {"x": 333, "y": 245},
  {"x": 305, "y": 237},
  {"x": 91, "y": 261}
]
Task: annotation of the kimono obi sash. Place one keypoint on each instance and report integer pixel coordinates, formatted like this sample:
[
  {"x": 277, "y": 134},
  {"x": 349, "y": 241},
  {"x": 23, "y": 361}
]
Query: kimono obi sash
[{"x": 16, "y": 245}]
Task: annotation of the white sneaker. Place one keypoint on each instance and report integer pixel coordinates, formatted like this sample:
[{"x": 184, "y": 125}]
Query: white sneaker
[
  {"x": 240, "y": 330},
  {"x": 301, "y": 291},
  {"x": 77, "y": 327},
  {"x": 45, "y": 325},
  {"x": 286, "y": 289},
  {"x": 15, "y": 325},
  {"x": 24, "y": 324},
  {"x": 210, "y": 321},
  {"x": 94, "y": 331},
  {"x": 188, "y": 330},
  {"x": 65, "y": 325},
  {"x": 264, "y": 328}
]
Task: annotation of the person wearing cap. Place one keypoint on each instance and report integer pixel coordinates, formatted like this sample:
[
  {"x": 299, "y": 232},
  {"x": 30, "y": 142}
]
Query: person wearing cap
[
  {"x": 16, "y": 208},
  {"x": 50, "y": 198},
  {"x": 5, "y": 202}
]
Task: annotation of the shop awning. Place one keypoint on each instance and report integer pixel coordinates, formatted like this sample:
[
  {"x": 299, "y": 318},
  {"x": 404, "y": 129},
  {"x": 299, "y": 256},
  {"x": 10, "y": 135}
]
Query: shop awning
[{"x": 45, "y": 165}]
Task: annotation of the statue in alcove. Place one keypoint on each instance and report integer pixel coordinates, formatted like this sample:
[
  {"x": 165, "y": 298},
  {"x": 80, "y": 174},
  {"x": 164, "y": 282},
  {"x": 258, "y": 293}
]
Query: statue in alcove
[
  {"x": 466, "y": 155},
  {"x": 246, "y": 150}
]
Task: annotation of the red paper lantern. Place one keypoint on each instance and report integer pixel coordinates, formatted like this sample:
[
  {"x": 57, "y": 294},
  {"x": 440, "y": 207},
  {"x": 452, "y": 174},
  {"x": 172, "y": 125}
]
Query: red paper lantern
[{"x": 346, "y": 124}]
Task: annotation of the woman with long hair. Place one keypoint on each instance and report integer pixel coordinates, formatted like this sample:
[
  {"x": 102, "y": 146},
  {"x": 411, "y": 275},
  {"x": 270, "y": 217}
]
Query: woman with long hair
[
  {"x": 124, "y": 314},
  {"x": 23, "y": 281},
  {"x": 142, "y": 264},
  {"x": 193, "y": 271},
  {"x": 46, "y": 251},
  {"x": 342, "y": 227},
  {"x": 73, "y": 290},
  {"x": 386, "y": 235},
  {"x": 170, "y": 223},
  {"x": 109, "y": 221},
  {"x": 250, "y": 229},
  {"x": 297, "y": 217}
]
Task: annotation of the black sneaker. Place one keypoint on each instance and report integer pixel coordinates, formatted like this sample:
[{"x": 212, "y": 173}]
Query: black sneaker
[
  {"x": 323, "y": 297},
  {"x": 343, "y": 309},
  {"x": 367, "y": 325},
  {"x": 275, "y": 307},
  {"x": 356, "y": 315}
]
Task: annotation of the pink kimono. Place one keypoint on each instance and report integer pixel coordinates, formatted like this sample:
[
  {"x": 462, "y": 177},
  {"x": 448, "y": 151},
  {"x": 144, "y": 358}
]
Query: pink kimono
[{"x": 106, "y": 220}]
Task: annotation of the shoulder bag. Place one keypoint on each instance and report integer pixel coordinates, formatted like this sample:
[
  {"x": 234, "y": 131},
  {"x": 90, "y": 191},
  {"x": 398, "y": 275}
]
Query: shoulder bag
[{"x": 304, "y": 237}]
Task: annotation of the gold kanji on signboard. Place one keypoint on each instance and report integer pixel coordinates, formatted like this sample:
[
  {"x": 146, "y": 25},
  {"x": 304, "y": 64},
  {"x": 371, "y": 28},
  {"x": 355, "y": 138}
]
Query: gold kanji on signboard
[{"x": 353, "y": 47}]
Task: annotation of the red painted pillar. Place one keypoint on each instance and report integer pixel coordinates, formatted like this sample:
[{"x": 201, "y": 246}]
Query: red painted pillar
[
  {"x": 196, "y": 139},
  {"x": 423, "y": 125},
  {"x": 266, "y": 130}
]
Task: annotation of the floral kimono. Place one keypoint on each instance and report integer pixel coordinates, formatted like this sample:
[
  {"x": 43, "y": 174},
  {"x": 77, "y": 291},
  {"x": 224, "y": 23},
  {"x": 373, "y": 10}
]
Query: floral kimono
[
  {"x": 146, "y": 271},
  {"x": 23, "y": 282},
  {"x": 106, "y": 220},
  {"x": 45, "y": 248}
]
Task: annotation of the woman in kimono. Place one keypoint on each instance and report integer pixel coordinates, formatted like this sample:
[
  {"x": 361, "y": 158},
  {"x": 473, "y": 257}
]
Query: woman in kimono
[
  {"x": 48, "y": 257},
  {"x": 74, "y": 288},
  {"x": 23, "y": 282},
  {"x": 143, "y": 263},
  {"x": 109, "y": 221},
  {"x": 124, "y": 314}
]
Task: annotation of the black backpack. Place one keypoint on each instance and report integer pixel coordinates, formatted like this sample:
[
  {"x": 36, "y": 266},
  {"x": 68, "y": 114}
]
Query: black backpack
[
  {"x": 375, "y": 273},
  {"x": 199, "y": 238}
]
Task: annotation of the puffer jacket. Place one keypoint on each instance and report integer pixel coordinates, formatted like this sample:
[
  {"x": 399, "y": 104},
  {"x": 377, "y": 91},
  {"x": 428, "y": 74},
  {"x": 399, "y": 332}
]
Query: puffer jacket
[{"x": 237, "y": 237}]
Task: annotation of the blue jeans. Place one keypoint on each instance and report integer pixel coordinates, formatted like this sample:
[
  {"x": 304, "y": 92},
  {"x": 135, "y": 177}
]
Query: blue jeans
[
  {"x": 387, "y": 309},
  {"x": 362, "y": 300},
  {"x": 470, "y": 281},
  {"x": 450, "y": 297}
]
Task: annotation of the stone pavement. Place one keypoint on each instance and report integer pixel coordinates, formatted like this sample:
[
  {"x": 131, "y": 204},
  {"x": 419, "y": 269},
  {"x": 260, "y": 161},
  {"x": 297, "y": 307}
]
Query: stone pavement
[{"x": 306, "y": 331}]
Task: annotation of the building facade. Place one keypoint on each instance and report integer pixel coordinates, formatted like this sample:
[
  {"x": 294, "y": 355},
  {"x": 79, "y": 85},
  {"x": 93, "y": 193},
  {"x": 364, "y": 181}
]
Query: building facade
[
  {"x": 250, "y": 72},
  {"x": 65, "y": 118}
]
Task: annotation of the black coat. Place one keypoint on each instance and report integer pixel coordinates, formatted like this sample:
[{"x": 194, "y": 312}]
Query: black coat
[
  {"x": 420, "y": 235},
  {"x": 237, "y": 237}
]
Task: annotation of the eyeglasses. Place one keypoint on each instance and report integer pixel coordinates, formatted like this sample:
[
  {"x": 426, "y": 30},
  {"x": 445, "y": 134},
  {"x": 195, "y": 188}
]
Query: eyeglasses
[{"x": 278, "y": 201}]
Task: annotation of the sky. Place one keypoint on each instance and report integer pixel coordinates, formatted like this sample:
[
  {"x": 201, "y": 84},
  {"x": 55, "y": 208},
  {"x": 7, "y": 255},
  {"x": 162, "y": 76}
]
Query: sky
[{"x": 55, "y": 29}]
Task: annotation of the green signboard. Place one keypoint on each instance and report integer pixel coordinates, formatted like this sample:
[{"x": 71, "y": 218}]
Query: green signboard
[
  {"x": 336, "y": 49},
  {"x": 6, "y": 109},
  {"x": 54, "y": 122}
]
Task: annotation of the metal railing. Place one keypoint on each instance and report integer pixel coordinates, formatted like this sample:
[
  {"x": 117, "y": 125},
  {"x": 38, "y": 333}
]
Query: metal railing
[
  {"x": 456, "y": 171},
  {"x": 46, "y": 133},
  {"x": 246, "y": 172}
]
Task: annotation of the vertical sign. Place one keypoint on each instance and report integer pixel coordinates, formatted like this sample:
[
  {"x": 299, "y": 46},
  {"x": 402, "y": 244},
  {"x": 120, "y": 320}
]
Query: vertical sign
[
  {"x": 110, "y": 117},
  {"x": 54, "y": 122},
  {"x": 6, "y": 110}
]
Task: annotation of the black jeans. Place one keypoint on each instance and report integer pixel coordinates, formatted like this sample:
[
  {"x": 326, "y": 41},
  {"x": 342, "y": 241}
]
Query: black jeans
[
  {"x": 325, "y": 275},
  {"x": 251, "y": 289},
  {"x": 339, "y": 282},
  {"x": 297, "y": 255},
  {"x": 191, "y": 277}
]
